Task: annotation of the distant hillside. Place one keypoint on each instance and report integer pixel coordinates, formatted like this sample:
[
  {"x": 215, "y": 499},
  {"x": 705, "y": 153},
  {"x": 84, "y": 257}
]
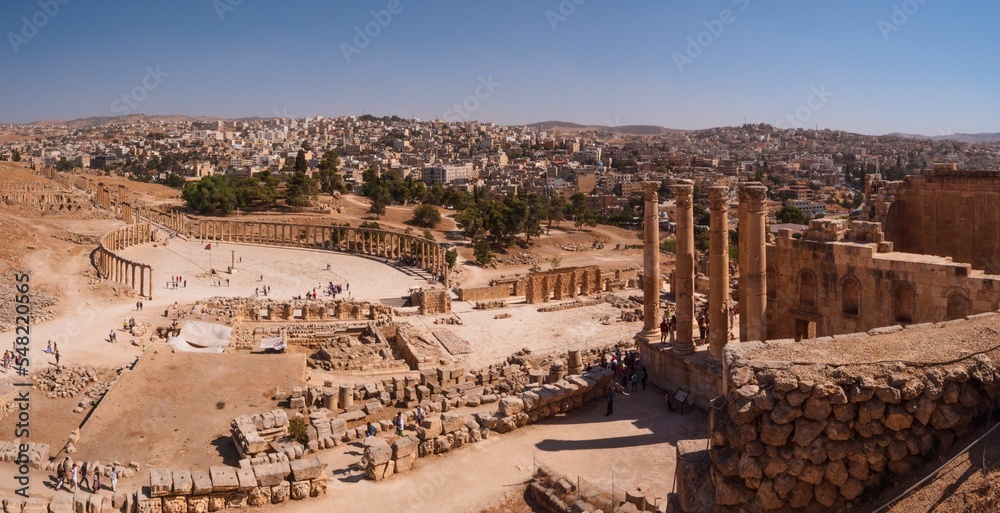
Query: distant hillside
[
  {"x": 565, "y": 126},
  {"x": 983, "y": 138},
  {"x": 96, "y": 121}
]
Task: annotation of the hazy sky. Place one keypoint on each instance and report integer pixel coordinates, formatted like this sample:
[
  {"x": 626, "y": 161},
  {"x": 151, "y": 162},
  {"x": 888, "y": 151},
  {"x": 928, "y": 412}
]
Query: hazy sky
[{"x": 871, "y": 66}]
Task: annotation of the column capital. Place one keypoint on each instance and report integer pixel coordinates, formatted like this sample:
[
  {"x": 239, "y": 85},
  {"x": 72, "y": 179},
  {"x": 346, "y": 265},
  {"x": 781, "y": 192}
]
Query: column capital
[
  {"x": 755, "y": 197},
  {"x": 683, "y": 194},
  {"x": 718, "y": 197},
  {"x": 651, "y": 190}
]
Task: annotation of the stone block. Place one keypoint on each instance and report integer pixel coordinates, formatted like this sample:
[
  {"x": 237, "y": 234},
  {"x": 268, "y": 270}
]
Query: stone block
[
  {"x": 160, "y": 482},
  {"x": 452, "y": 421},
  {"x": 223, "y": 478},
  {"x": 182, "y": 482},
  {"x": 280, "y": 492},
  {"x": 300, "y": 490},
  {"x": 403, "y": 447},
  {"x": 61, "y": 502},
  {"x": 271, "y": 474},
  {"x": 511, "y": 406},
  {"x": 216, "y": 502},
  {"x": 201, "y": 482},
  {"x": 246, "y": 479},
  {"x": 197, "y": 504},
  {"x": 311, "y": 468},
  {"x": 236, "y": 500},
  {"x": 259, "y": 496},
  {"x": 430, "y": 428},
  {"x": 146, "y": 504},
  {"x": 317, "y": 487},
  {"x": 175, "y": 504}
]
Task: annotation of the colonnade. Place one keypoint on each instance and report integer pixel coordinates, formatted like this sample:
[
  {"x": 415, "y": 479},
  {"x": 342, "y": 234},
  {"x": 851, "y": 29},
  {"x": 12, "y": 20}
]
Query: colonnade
[
  {"x": 752, "y": 266},
  {"x": 411, "y": 249},
  {"x": 137, "y": 275}
]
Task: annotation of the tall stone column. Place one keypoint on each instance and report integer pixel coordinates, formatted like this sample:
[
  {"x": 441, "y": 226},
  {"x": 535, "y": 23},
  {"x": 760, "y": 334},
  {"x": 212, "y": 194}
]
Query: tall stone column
[
  {"x": 718, "y": 272},
  {"x": 651, "y": 263},
  {"x": 756, "y": 263},
  {"x": 684, "y": 274}
]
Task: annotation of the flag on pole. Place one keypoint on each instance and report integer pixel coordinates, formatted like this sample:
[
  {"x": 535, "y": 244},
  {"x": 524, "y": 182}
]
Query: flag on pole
[{"x": 209, "y": 246}]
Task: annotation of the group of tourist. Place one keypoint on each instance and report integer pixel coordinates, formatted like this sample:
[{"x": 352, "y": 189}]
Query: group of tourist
[
  {"x": 138, "y": 305},
  {"x": 668, "y": 327},
  {"x": 177, "y": 281},
  {"x": 261, "y": 290},
  {"x": 627, "y": 371},
  {"x": 76, "y": 475}
]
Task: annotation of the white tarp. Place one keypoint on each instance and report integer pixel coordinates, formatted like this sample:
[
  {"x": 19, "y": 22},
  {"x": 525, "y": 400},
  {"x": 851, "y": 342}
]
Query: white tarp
[
  {"x": 275, "y": 343},
  {"x": 202, "y": 337}
]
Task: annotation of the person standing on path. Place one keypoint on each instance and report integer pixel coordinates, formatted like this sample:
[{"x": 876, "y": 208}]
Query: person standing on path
[
  {"x": 643, "y": 376},
  {"x": 114, "y": 480},
  {"x": 399, "y": 424},
  {"x": 97, "y": 480},
  {"x": 84, "y": 480},
  {"x": 611, "y": 400},
  {"x": 75, "y": 476}
]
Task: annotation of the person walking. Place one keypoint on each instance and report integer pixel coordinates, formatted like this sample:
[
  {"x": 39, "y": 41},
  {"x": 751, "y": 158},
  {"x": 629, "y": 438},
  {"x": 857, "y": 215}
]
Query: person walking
[
  {"x": 57, "y": 357},
  {"x": 399, "y": 424},
  {"x": 60, "y": 477},
  {"x": 97, "y": 480},
  {"x": 643, "y": 376},
  {"x": 611, "y": 400},
  {"x": 419, "y": 413},
  {"x": 74, "y": 474},
  {"x": 113, "y": 474},
  {"x": 84, "y": 480},
  {"x": 635, "y": 381}
]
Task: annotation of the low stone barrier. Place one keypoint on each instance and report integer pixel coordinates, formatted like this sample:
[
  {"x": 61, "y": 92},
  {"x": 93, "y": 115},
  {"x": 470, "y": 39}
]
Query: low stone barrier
[
  {"x": 439, "y": 434},
  {"x": 817, "y": 436}
]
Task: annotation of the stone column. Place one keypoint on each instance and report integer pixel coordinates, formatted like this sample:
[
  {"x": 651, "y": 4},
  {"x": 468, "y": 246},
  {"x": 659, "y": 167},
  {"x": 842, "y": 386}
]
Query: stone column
[
  {"x": 756, "y": 263},
  {"x": 684, "y": 274},
  {"x": 718, "y": 272},
  {"x": 151, "y": 282},
  {"x": 651, "y": 264}
]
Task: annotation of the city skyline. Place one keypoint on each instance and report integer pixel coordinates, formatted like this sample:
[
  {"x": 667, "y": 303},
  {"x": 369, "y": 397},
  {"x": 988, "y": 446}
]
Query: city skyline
[{"x": 871, "y": 68}]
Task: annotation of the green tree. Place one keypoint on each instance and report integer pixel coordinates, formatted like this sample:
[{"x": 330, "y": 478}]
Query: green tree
[
  {"x": 380, "y": 201},
  {"x": 669, "y": 245},
  {"x": 472, "y": 222},
  {"x": 701, "y": 239},
  {"x": 174, "y": 180},
  {"x": 483, "y": 252},
  {"x": 328, "y": 174},
  {"x": 300, "y": 162},
  {"x": 300, "y": 190},
  {"x": 792, "y": 215},
  {"x": 451, "y": 257},
  {"x": 556, "y": 262},
  {"x": 426, "y": 215}
]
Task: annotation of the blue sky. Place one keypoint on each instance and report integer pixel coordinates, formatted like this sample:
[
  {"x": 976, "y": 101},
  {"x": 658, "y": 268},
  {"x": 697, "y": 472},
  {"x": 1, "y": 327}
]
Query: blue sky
[{"x": 919, "y": 66}]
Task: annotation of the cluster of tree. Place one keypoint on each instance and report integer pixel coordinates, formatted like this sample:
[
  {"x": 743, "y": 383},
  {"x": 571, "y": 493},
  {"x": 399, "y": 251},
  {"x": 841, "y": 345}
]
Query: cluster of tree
[
  {"x": 791, "y": 215},
  {"x": 225, "y": 193},
  {"x": 389, "y": 188},
  {"x": 328, "y": 174}
]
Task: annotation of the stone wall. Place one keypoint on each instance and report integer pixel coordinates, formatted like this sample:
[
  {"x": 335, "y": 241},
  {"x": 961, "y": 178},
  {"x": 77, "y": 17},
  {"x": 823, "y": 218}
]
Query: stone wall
[
  {"x": 839, "y": 279},
  {"x": 560, "y": 284},
  {"x": 487, "y": 292},
  {"x": 942, "y": 212},
  {"x": 432, "y": 302},
  {"x": 813, "y": 426},
  {"x": 440, "y": 434}
]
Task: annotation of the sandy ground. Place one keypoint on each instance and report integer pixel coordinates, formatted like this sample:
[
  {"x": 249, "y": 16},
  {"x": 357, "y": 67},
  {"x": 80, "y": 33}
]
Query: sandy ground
[
  {"x": 635, "y": 445},
  {"x": 287, "y": 271}
]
